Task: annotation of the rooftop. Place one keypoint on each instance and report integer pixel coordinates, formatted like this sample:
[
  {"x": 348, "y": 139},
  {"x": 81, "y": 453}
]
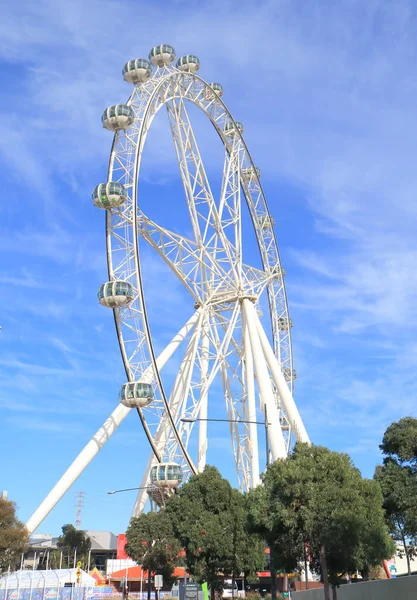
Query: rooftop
[{"x": 102, "y": 540}]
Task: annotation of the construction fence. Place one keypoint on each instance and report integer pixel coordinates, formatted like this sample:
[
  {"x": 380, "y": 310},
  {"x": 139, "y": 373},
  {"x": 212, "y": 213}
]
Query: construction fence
[{"x": 401, "y": 588}]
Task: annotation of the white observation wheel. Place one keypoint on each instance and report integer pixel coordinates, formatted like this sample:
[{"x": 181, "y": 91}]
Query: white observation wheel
[{"x": 224, "y": 343}]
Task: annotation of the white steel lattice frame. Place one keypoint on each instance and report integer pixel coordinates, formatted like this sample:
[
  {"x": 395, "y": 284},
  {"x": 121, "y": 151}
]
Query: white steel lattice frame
[
  {"x": 208, "y": 265},
  {"x": 226, "y": 340}
]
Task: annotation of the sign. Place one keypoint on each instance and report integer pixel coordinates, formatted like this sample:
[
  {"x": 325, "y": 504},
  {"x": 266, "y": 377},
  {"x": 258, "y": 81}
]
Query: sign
[
  {"x": 158, "y": 582},
  {"x": 191, "y": 591}
]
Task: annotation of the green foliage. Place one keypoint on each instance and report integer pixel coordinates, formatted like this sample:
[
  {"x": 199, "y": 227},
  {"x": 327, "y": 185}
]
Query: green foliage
[
  {"x": 274, "y": 522},
  {"x": 209, "y": 519},
  {"x": 400, "y": 442},
  {"x": 398, "y": 480},
  {"x": 399, "y": 489},
  {"x": 14, "y": 537},
  {"x": 73, "y": 539},
  {"x": 374, "y": 544},
  {"x": 318, "y": 498},
  {"x": 151, "y": 542}
]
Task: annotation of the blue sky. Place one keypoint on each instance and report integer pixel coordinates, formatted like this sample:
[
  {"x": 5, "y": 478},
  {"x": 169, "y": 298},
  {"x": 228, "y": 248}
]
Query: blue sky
[{"x": 327, "y": 93}]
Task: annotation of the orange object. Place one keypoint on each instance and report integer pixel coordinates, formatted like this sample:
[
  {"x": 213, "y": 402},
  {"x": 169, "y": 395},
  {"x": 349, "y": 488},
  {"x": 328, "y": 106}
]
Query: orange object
[
  {"x": 386, "y": 569},
  {"x": 138, "y": 574}
]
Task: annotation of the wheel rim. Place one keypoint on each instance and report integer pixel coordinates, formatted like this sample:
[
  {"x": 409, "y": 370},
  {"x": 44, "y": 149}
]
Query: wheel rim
[{"x": 170, "y": 87}]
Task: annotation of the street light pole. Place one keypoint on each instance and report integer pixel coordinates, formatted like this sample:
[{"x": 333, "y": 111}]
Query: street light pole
[
  {"x": 271, "y": 568},
  {"x": 194, "y": 419},
  {"x": 128, "y": 489},
  {"x": 146, "y": 487}
]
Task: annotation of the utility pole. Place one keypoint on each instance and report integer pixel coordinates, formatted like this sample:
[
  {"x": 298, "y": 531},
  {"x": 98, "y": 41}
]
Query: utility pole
[
  {"x": 271, "y": 568},
  {"x": 79, "y": 506}
]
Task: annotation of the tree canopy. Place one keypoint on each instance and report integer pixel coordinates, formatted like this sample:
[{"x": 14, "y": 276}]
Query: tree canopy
[
  {"x": 398, "y": 480},
  {"x": 400, "y": 442},
  {"x": 72, "y": 540},
  {"x": 14, "y": 537},
  {"x": 151, "y": 542},
  {"x": 209, "y": 520},
  {"x": 399, "y": 490},
  {"x": 318, "y": 499}
]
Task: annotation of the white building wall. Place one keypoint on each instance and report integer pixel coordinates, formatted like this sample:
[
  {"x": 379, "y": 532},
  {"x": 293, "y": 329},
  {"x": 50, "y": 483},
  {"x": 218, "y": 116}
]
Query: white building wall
[{"x": 117, "y": 564}]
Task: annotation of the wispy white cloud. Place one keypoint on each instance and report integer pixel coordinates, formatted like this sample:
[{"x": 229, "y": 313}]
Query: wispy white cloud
[
  {"x": 327, "y": 95},
  {"x": 33, "y": 423},
  {"x": 27, "y": 279}
]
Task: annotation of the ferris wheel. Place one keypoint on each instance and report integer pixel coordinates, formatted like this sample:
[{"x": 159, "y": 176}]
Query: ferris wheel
[{"x": 226, "y": 340}]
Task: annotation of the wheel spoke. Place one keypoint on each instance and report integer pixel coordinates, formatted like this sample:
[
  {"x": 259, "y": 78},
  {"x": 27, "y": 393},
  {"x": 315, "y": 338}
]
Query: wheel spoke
[
  {"x": 209, "y": 229},
  {"x": 210, "y": 266},
  {"x": 228, "y": 344},
  {"x": 193, "y": 266}
]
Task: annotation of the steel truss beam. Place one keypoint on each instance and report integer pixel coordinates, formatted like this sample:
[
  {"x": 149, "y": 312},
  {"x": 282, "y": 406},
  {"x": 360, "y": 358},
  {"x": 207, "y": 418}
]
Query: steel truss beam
[{"x": 102, "y": 436}]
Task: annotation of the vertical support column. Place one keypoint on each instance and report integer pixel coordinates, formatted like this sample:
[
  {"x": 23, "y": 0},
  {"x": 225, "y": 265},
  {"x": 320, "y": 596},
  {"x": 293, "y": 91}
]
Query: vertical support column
[
  {"x": 202, "y": 430},
  {"x": 291, "y": 409},
  {"x": 275, "y": 437},
  {"x": 251, "y": 406}
]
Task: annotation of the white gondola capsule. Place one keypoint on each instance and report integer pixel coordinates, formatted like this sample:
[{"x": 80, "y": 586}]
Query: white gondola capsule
[
  {"x": 284, "y": 324},
  {"x": 213, "y": 90},
  {"x": 109, "y": 195},
  {"x": 137, "y": 71},
  {"x": 162, "y": 55},
  {"x": 230, "y": 128},
  {"x": 266, "y": 222},
  {"x": 115, "y": 294},
  {"x": 289, "y": 373},
  {"x": 136, "y": 394},
  {"x": 217, "y": 87},
  {"x": 250, "y": 173},
  {"x": 117, "y": 117},
  {"x": 188, "y": 63},
  {"x": 167, "y": 475}
]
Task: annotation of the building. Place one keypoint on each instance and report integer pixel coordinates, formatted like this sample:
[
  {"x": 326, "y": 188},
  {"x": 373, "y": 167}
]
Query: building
[
  {"x": 103, "y": 547},
  {"x": 41, "y": 545}
]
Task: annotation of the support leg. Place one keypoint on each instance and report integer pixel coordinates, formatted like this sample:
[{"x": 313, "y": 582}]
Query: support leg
[
  {"x": 276, "y": 439},
  {"x": 284, "y": 392},
  {"x": 251, "y": 407},
  {"x": 101, "y": 437},
  {"x": 202, "y": 432}
]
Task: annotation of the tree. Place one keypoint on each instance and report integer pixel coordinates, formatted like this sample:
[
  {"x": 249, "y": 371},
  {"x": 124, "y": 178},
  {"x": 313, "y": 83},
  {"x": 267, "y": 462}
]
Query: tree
[
  {"x": 317, "y": 497},
  {"x": 209, "y": 520},
  {"x": 151, "y": 542},
  {"x": 73, "y": 540},
  {"x": 14, "y": 537},
  {"x": 283, "y": 536},
  {"x": 398, "y": 480},
  {"x": 400, "y": 442},
  {"x": 399, "y": 490},
  {"x": 374, "y": 543},
  {"x": 365, "y": 544}
]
